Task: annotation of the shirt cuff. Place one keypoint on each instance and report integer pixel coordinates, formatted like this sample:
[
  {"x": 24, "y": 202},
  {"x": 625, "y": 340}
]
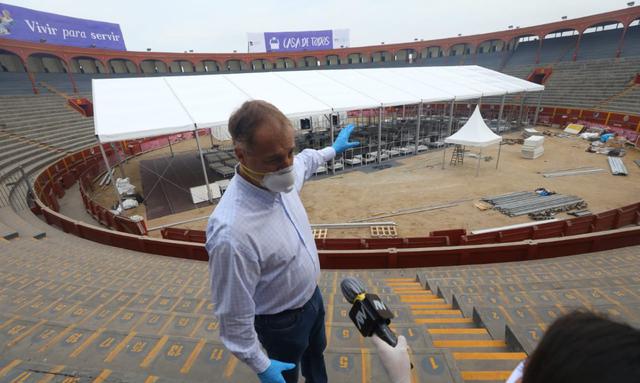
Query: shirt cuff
[
  {"x": 260, "y": 363},
  {"x": 327, "y": 153}
]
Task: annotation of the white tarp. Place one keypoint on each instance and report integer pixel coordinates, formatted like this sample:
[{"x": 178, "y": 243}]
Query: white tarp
[
  {"x": 131, "y": 108},
  {"x": 474, "y": 133}
]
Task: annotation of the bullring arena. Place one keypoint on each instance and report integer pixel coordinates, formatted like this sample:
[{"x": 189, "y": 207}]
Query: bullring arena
[{"x": 92, "y": 294}]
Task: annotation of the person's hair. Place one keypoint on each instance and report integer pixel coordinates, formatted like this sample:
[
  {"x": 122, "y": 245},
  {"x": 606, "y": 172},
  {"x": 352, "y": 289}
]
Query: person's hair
[
  {"x": 250, "y": 116},
  {"x": 584, "y": 347}
]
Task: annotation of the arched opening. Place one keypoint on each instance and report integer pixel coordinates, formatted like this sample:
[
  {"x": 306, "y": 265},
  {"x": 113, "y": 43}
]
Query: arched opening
[
  {"x": 432, "y": 52},
  {"x": 46, "y": 63},
  {"x": 407, "y": 55},
  {"x": 600, "y": 40},
  {"x": 462, "y": 49},
  {"x": 631, "y": 43},
  {"x": 381, "y": 57},
  {"x": 122, "y": 66},
  {"x": 181, "y": 66},
  {"x": 259, "y": 65},
  {"x": 284, "y": 63},
  {"x": 356, "y": 58},
  {"x": 523, "y": 50},
  {"x": 489, "y": 53},
  {"x": 86, "y": 65},
  {"x": 10, "y": 62},
  {"x": 13, "y": 76},
  {"x": 332, "y": 60},
  {"x": 235, "y": 65},
  {"x": 153, "y": 66},
  {"x": 559, "y": 45},
  {"x": 210, "y": 66},
  {"x": 308, "y": 62},
  {"x": 490, "y": 46}
]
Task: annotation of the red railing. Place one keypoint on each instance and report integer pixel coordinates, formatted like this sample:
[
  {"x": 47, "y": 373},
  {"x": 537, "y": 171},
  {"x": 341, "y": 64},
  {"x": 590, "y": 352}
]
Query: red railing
[{"x": 601, "y": 231}]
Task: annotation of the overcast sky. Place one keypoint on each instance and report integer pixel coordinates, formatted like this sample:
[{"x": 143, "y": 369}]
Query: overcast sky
[{"x": 222, "y": 26}]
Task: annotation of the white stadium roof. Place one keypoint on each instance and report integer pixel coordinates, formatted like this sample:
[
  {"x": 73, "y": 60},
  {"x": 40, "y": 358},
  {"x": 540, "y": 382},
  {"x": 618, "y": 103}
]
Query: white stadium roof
[{"x": 129, "y": 108}]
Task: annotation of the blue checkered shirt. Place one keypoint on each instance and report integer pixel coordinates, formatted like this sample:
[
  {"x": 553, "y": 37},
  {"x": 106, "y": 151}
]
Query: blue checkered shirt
[{"x": 262, "y": 256}]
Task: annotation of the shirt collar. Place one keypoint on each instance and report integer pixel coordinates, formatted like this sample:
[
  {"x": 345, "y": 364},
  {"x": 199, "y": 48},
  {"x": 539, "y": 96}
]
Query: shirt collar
[{"x": 247, "y": 187}]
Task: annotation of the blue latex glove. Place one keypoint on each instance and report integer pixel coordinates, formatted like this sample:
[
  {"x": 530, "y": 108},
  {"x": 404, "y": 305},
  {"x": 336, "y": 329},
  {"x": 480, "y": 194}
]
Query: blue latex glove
[
  {"x": 273, "y": 374},
  {"x": 342, "y": 141}
]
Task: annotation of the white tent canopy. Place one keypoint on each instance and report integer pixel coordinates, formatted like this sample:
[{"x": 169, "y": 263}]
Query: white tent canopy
[
  {"x": 474, "y": 133},
  {"x": 129, "y": 108}
]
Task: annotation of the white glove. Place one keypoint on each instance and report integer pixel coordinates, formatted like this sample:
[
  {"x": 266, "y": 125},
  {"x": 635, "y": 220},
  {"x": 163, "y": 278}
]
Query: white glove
[{"x": 395, "y": 359}]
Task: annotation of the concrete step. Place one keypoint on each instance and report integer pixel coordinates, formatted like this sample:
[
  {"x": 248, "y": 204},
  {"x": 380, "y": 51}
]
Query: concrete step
[
  {"x": 10, "y": 218},
  {"x": 7, "y": 232}
]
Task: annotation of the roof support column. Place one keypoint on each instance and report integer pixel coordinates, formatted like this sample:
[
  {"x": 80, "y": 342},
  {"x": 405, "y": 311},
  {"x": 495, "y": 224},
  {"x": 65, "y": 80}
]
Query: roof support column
[
  {"x": 539, "y": 49},
  {"x": 418, "y": 127},
  {"x": 73, "y": 82},
  {"x": 204, "y": 168},
  {"x": 575, "y": 52},
  {"x": 621, "y": 43}
]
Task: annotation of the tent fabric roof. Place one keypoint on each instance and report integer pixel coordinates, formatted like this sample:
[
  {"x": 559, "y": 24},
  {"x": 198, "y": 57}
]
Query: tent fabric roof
[
  {"x": 474, "y": 133},
  {"x": 129, "y": 108}
]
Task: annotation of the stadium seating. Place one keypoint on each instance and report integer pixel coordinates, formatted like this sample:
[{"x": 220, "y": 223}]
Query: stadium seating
[{"x": 74, "y": 306}]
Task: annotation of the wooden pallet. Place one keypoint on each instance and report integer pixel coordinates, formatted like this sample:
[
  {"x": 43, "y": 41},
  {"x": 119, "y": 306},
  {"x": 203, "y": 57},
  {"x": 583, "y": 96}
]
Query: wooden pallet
[{"x": 384, "y": 232}]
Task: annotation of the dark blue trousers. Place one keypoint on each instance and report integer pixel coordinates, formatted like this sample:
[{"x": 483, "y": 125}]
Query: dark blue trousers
[{"x": 297, "y": 336}]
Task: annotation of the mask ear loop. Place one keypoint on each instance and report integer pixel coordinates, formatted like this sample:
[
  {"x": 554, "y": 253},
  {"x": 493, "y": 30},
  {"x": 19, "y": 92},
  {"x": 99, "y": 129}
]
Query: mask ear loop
[{"x": 252, "y": 174}]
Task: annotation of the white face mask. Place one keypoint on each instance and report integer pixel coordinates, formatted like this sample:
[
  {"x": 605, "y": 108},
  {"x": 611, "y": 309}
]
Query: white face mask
[{"x": 282, "y": 180}]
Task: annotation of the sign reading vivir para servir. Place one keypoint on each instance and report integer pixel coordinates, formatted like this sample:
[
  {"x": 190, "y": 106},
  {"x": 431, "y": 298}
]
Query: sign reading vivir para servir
[{"x": 30, "y": 25}]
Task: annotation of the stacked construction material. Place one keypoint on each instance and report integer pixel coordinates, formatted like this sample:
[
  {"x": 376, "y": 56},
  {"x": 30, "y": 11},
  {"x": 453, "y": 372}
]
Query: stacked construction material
[
  {"x": 521, "y": 203},
  {"x": 617, "y": 166},
  {"x": 532, "y": 147},
  {"x": 531, "y": 132}
]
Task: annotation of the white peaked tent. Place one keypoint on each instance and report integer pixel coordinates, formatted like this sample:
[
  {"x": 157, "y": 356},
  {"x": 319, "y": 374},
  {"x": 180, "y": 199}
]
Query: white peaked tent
[{"x": 474, "y": 133}]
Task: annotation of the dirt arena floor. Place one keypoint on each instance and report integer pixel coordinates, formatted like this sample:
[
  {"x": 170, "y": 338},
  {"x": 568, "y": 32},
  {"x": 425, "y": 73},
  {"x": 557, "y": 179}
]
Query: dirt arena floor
[{"x": 420, "y": 182}]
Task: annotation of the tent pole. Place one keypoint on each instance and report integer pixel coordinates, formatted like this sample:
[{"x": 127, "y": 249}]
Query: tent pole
[
  {"x": 380, "y": 137},
  {"x": 521, "y": 109},
  {"x": 106, "y": 162},
  {"x": 478, "y": 166},
  {"x": 361, "y": 123},
  {"x": 535, "y": 116},
  {"x": 499, "y": 150},
  {"x": 418, "y": 127},
  {"x": 331, "y": 133},
  {"x": 453, "y": 102},
  {"x": 204, "y": 168},
  {"x": 170, "y": 147},
  {"x": 120, "y": 160},
  {"x": 480, "y": 104},
  {"x": 444, "y": 151},
  {"x": 211, "y": 136},
  {"x": 501, "y": 111}
]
